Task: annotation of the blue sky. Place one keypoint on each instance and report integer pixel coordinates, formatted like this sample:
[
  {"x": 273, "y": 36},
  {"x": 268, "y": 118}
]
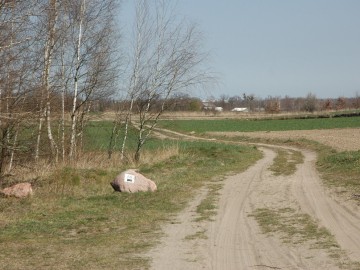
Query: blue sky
[{"x": 279, "y": 47}]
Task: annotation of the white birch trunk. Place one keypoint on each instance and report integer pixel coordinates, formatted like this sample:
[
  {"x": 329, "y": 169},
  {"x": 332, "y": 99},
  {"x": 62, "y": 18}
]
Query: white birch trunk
[
  {"x": 63, "y": 106},
  {"x": 38, "y": 139},
  {"x": 13, "y": 150},
  {"x": 141, "y": 14},
  {"x": 82, "y": 121},
  {"x": 127, "y": 120},
  {"x": 72, "y": 152},
  {"x": 44, "y": 112},
  {"x": 48, "y": 59}
]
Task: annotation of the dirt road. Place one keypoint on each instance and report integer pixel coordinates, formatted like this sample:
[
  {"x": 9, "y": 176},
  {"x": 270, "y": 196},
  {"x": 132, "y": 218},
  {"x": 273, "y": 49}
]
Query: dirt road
[{"x": 234, "y": 239}]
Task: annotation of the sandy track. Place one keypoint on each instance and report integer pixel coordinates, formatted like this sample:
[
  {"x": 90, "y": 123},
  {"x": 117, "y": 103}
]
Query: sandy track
[
  {"x": 234, "y": 240},
  {"x": 342, "y": 221}
]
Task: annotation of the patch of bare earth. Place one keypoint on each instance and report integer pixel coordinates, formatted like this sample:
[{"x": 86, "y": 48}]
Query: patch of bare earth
[
  {"x": 340, "y": 139},
  {"x": 235, "y": 240}
]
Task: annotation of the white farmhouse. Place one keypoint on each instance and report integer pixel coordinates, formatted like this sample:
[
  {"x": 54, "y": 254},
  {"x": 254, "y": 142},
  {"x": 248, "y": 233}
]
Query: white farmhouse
[{"x": 240, "y": 110}]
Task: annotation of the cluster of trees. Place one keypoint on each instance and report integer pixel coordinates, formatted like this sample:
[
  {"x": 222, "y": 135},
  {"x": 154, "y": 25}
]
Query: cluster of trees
[
  {"x": 57, "y": 58},
  {"x": 310, "y": 103},
  {"x": 186, "y": 102},
  {"x": 61, "y": 59}
]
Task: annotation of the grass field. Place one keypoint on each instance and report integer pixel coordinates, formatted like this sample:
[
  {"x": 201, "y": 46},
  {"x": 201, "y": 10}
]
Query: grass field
[
  {"x": 201, "y": 126},
  {"x": 98, "y": 133}
]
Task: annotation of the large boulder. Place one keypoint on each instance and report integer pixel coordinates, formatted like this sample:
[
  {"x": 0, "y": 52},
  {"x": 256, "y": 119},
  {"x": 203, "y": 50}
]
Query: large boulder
[
  {"x": 132, "y": 181},
  {"x": 21, "y": 190}
]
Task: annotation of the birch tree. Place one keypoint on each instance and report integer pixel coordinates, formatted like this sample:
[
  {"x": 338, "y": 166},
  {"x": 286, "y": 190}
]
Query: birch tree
[
  {"x": 52, "y": 50},
  {"x": 166, "y": 60},
  {"x": 93, "y": 62},
  {"x": 15, "y": 69},
  {"x": 48, "y": 29}
]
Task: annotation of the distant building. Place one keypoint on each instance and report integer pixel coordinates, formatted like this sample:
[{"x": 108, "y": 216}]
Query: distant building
[
  {"x": 208, "y": 105},
  {"x": 240, "y": 110}
]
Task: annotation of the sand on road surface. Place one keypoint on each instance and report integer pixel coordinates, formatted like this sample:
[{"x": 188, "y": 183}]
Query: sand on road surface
[{"x": 234, "y": 240}]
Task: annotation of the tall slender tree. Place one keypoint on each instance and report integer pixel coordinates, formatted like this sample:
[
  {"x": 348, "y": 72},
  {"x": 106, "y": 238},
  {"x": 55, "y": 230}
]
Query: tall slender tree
[
  {"x": 15, "y": 72},
  {"x": 58, "y": 58},
  {"x": 166, "y": 59},
  {"x": 93, "y": 69}
]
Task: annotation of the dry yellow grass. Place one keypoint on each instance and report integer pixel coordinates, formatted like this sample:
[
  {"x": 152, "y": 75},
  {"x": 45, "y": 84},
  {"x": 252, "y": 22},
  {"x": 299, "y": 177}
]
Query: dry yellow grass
[{"x": 91, "y": 160}]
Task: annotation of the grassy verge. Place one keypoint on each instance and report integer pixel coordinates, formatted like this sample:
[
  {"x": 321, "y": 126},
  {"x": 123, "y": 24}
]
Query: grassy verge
[
  {"x": 341, "y": 169},
  {"x": 76, "y": 221}
]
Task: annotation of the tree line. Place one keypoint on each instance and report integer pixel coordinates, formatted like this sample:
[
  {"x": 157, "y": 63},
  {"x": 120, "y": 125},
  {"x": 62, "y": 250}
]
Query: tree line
[
  {"x": 62, "y": 58},
  {"x": 186, "y": 102},
  {"x": 277, "y": 104}
]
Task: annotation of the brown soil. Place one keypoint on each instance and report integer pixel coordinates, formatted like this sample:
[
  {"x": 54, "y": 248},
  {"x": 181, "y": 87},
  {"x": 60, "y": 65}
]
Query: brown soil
[{"x": 340, "y": 139}]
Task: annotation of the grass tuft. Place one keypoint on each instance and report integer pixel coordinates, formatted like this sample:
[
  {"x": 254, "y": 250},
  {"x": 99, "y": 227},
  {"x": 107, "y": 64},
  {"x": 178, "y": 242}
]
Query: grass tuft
[
  {"x": 208, "y": 206},
  {"x": 294, "y": 227},
  {"x": 297, "y": 228},
  {"x": 286, "y": 161}
]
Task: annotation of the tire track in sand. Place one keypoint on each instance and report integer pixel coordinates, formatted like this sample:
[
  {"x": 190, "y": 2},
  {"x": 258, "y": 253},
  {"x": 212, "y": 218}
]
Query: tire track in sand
[
  {"x": 341, "y": 221},
  {"x": 234, "y": 239}
]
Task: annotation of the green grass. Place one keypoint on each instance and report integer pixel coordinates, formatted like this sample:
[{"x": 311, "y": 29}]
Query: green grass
[
  {"x": 208, "y": 206},
  {"x": 76, "y": 221},
  {"x": 286, "y": 161},
  {"x": 98, "y": 133},
  {"x": 341, "y": 169},
  {"x": 224, "y": 125},
  {"x": 97, "y": 136},
  {"x": 295, "y": 228}
]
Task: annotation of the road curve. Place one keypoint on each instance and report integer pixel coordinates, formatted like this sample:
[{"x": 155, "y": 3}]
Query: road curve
[
  {"x": 340, "y": 220},
  {"x": 234, "y": 240}
]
